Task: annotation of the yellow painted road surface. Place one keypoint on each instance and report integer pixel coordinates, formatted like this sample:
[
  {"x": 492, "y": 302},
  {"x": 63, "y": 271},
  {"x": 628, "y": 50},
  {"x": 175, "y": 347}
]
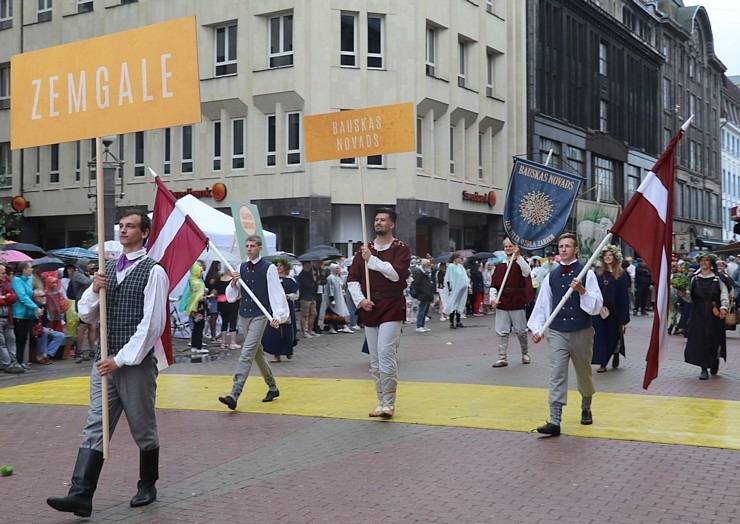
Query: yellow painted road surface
[{"x": 643, "y": 418}]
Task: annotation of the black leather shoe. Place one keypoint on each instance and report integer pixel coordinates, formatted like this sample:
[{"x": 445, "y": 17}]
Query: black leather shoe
[
  {"x": 271, "y": 395},
  {"x": 704, "y": 375},
  {"x": 549, "y": 429},
  {"x": 460, "y": 325},
  {"x": 229, "y": 401},
  {"x": 586, "y": 418},
  {"x": 452, "y": 326}
]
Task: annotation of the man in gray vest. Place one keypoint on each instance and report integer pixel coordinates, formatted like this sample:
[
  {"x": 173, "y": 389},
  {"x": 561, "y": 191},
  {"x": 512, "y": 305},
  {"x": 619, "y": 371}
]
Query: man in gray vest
[
  {"x": 136, "y": 292},
  {"x": 262, "y": 278},
  {"x": 571, "y": 334}
]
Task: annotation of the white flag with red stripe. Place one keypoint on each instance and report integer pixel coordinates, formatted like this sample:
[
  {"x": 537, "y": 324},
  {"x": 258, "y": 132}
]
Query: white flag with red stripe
[
  {"x": 175, "y": 242},
  {"x": 646, "y": 224}
]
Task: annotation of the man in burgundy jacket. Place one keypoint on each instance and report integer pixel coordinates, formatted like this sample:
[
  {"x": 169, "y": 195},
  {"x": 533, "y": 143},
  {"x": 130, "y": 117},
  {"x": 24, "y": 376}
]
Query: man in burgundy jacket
[{"x": 510, "y": 300}]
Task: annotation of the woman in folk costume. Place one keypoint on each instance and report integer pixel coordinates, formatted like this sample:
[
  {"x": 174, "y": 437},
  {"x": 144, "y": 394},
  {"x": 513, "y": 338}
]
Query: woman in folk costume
[
  {"x": 56, "y": 302},
  {"x": 196, "y": 306},
  {"x": 456, "y": 284},
  {"x": 709, "y": 298},
  {"x": 609, "y": 325},
  {"x": 280, "y": 342},
  {"x": 334, "y": 312}
]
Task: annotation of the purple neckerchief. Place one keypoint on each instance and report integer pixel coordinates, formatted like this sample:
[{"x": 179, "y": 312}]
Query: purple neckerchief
[{"x": 124, "y": 263}]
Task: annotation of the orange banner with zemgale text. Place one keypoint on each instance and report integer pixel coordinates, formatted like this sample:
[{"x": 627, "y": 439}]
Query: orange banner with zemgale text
[
  {"x": 361, "y": 132},
  {"x": 141, "y": 79}
]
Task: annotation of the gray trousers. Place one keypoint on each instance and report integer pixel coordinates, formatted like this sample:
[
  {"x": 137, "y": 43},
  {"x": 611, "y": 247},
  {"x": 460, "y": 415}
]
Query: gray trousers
[
  {"x": 7, "y": 344},
  {"x": 131, "y": 390},
  {"x": 252, "y": 351},
  {"x": 382, "y": 341},
  {"x": 576, "y": 346},
  {"x": 505, "y": 321}
]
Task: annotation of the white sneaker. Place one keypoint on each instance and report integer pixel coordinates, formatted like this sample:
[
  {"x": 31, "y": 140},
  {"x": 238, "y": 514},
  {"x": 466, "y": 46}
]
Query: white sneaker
[
  {"x": 307, "y": 335},
  {"x": 333, "y": 331},
  {"x": 427, "y": 329},
  {"x": 313, "y": 334},
  {"x": 356, "y": 327},
  {"x": 346, "y": 330},
  {"x": 421, "y": 330}
]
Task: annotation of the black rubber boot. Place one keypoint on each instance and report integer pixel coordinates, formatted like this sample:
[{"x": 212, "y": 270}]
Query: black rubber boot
[
  {"x": 84, "y": 482},
  {"x": 148, "y": 475}
]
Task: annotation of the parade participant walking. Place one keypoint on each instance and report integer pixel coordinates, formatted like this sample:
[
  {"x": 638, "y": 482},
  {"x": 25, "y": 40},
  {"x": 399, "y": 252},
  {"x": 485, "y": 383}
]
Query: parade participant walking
[
  {"x": 456, "y": 284},
  {"x": 262, "y": 278},
  {"x": 280, "y": 342},
  {"x": 136, "y": 291},
  {"x": 571, "y": 334},
  {"x": 510, "y": 300},
  {"x": 384, "y": 311},
  {"x": 709, "y": 298},
  {"x": 609, "y": 324}
]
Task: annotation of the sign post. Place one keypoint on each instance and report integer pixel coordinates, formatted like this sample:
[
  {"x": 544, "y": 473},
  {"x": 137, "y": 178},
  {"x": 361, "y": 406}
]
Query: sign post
[
  {"x": 126, "y": 82},
  {"x": 360, "y": 133}
]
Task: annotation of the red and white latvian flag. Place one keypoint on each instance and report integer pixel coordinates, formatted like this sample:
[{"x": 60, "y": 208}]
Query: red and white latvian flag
[
  {"x": 646, "y": 224},
  {"x": 175, "y": 242}
]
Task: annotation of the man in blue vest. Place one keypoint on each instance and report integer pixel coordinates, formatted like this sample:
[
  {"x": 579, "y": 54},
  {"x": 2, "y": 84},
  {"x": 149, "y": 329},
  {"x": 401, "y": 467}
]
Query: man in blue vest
[
  {"x": 136, "y": 291},
  {"x": 262, "y": 278},
  {"x": 571, "y": 334}
]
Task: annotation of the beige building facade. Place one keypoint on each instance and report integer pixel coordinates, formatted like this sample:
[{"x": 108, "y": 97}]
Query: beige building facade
[{"x": 264, "y": 65}]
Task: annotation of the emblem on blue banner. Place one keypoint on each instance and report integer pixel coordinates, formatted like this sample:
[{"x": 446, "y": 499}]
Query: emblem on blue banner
[{"x": 538, "y": 203}]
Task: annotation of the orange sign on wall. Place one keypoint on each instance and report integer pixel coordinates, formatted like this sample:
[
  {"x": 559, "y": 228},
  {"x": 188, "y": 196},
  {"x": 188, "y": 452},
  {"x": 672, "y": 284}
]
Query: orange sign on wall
[
  {"x": 131, "y": 81},
  {"x": 361, "y": 132}
]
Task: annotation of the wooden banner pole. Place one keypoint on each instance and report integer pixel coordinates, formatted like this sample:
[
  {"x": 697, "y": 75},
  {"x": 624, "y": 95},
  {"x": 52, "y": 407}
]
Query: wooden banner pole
[
  {"x": 364, "y": 223},
  {"x": 103, "y": 306}
]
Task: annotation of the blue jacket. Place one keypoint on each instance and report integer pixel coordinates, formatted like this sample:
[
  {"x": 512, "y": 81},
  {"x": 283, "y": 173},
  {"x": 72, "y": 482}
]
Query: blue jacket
[{"x": 24, "y": 307}]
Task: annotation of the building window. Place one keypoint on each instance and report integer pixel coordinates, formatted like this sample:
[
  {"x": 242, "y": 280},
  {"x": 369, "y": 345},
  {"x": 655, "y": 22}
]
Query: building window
[
  {"x": 6, "y": 14},
  {"x": 374, "y": 42},
  {"x": 226, "y": 50},
  {"x": 293, "y": 156},
  {"x": 489, "y": 6},
  {"x": 633, "y": 180},
  {"x": 348, "y": 37},
  {"x": 238, "y": 143},
  {"x": 489, "y": 74},
  {"x": 375, "y": 161},
  {"x": 271, "y": 139},
  {"x": 667, "y": 95},
  {"x": 431, "y": 51},
  {"x": 281, "y": 41},
  {"x": 37, "y": 178},
  {"x": 480, "y": 156},
  {"x": 692, "y": 155},
  {"x": 603, "y": 63},
  {"x": 6, "y": 165},
  {"x": 167, "y": 150},
  {"x": 139, "y": 154},
  {"x": 186, "y": 151},
  {"x": 574, "y": 160},
  {"x": 348, "y": 162},
  {"x": 121, "y": 152},
  {"x": 462, "y": 63},
  {"x": 78, "y": 161},
  {"x": 84, "y": 6},
  {"x": 419, "y": 142},
  {"x": 217, "y": 145},
  {"x": 54, "y": 164},
  {"x": 546, "y": 146},
  {"x": 603, "y": 113},
  {"x": 604, "y": 179},
  {"x": 4, "y": 86},
  {"x": 43, "y": 10},
  {"x": 452, "y": 150},
  {"x": 667, "y": 49}
]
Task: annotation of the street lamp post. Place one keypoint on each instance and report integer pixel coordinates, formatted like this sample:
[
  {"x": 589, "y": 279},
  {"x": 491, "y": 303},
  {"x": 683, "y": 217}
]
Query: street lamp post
[{"x": 111, "y": 167}]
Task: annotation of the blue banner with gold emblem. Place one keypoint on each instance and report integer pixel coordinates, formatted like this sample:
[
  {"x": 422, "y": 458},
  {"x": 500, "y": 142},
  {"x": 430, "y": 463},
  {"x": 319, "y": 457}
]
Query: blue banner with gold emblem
[{"x": 538, "y": 203}]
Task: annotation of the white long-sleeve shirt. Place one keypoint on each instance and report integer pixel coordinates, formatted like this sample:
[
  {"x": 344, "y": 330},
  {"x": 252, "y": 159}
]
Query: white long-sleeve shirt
[
  {"x": 152, "y": 324},
  {"x": 374, "y": 264},
  {"x": 526, "y": 271},
  {"x": 591, "y": 301},
  {"x": 278, "y": 302}
]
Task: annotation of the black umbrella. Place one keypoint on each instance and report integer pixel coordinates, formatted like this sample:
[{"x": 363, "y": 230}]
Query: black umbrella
[
  {"x": 47, "y": 263},
  {"x": 322, "y": 252},
  {"x": 32, "y": 250},
  {"x": 442, "y": 257},
  {"x": 483, "y": 255}
]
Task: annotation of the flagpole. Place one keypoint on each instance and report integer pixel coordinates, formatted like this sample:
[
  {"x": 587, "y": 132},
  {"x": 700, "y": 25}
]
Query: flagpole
[
  {"x": 580, "y": 277},
  {"x": 103, "y": 305},
  {"x": 364, "y": 224}
]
